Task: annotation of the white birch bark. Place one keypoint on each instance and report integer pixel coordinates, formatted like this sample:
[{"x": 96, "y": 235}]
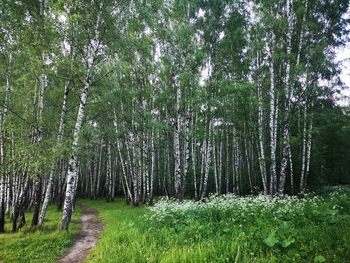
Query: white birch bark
[
  {"x": 216, "y": 180},
  {"x": 4, "y": 177},
  {"x": 2, "y": 174},
  {"x": 273, "y": 118},
  {"x": 59, "y": 138},
  {"x": 235, "y": 163},
  {"x": 291, "y": 168},
  {"x": 227, "y": 164},
  {"x": 247, "y": 157},
  {"x": 207, "y": 161},
  {"x": 194, "y": 169},
  {"x": 177, "y": 153},
  {"x": 109, "y": 179},
  {"x": 288, "y": 90},
  {"x": 261, "y": 152},
  {"x": 122, "y": 162},
  {"x": 153, "y": 165},
  {"x": 72, "y": 175},
  {"x": 220, "y": 165},
  {"x": 308, "y": 157},
  {"x": 99, "y": 169},
  {"x": 304, "y": 152},
  {"x": 39, "y": 135},
  {"x": 186, "y": 149},
  {"x": 203, "y": 163}
]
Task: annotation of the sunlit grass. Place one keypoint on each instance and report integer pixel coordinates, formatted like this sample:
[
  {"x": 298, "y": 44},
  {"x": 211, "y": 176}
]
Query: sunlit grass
[{"x": 43, "y": 245}]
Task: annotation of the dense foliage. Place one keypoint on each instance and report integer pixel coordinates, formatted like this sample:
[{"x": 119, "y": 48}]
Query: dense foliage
[{"x": 177, "y": 98}]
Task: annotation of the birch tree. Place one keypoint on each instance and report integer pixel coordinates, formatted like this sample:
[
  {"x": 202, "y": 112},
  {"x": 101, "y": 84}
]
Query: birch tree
[{"x": 90, "y": 53}]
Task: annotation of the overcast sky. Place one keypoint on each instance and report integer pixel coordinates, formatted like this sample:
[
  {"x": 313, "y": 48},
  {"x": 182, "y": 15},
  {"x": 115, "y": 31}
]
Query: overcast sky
[{"x": 343, "y": 56}]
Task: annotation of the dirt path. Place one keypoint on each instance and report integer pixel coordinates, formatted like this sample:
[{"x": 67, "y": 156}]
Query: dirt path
[{"x": 86, "y": 238}]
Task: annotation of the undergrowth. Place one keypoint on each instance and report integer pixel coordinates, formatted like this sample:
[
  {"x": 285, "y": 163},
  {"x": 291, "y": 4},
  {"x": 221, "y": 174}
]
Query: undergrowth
[
  {"x": 227, "y": 229},
  {"x": 45, "y": 244}
]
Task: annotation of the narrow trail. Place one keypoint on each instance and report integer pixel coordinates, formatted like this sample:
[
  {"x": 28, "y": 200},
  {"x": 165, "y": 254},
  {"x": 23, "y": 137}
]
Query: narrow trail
[{"x": 86, "y": 238}]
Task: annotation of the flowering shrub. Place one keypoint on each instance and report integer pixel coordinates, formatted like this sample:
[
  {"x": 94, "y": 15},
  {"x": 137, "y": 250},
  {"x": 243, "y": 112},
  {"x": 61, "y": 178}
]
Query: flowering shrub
[
  {"x": 239, "y": 208},
  {"x": 273, "y": 222},
  {"x": 229, "y": 228}
]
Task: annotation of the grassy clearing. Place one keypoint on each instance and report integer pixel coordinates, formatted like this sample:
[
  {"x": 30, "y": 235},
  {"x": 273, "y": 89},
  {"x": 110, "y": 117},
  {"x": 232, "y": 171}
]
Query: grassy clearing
[
  {"x": 222, "y": 229},
  {"x": 43, "y": 245},
  {"x": 227, "y": 229}
]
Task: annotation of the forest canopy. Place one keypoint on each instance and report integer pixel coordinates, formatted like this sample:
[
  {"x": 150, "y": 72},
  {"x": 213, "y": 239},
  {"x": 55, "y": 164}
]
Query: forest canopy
[{"x": 180, "y": 98}]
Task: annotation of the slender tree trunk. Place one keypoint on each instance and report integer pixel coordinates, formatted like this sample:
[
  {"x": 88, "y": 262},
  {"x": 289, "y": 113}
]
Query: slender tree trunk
[
  {"x": 3, "y": 174},
  {"x": 177, "y": 152},
  {"x": 99, "y": 170},
  {"x": 72, "y": 165},
  {"x": 203, "y": 163},
  {"x": 122, "y": 162},
  {"x": 262, "y": 160},
  {"x": 216, "y": 179},
  {"x": 207, "y": 161},
  {"x": 291, "y": 168},
  {"x": 288, "y": 90},
  {"x": 60, "y": 133},
  {"x": 153, "y": 165},
  {"x": 72, "y": 175},
  {"x": 39, "y": 136},
  {"x": 109, "y": 179},
  {"x": 273, "y": 119},
  {"x": 303, "y": 155},
  {"x": 186, "y": 149},
  {"x": 247, "y": 158},
  {"x": 220, "y": 166},
  {"x": 227, "y": 166},
  {"x": 308, "y": 157},
  {"x": 307, "y": 136},
  {"x": 19, "y": 205}
]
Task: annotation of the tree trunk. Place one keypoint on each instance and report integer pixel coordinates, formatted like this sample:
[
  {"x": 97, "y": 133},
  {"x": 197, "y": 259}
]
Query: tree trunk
[
  {"x": 273, "y": 119},
  {"x": 288, "y": 90},
  {"x": 207, "y": 161},
  {"x": 72, "y": 165},
  {"x": 177, "y": 153},
  {"x": 261, "y": 152},
  {"x": 60, "y": 133}
]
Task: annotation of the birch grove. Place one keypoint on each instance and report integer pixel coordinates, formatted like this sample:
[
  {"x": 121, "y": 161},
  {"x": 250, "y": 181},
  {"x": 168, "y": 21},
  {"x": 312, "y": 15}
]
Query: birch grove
[{"x": 133, "y": 100}]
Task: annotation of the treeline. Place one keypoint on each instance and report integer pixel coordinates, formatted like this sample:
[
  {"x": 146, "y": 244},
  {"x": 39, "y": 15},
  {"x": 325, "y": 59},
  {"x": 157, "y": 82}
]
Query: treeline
[{"x": 180, "y": 98}]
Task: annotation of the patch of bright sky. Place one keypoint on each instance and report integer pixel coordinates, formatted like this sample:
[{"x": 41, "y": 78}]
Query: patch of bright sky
[{"x": 343, "y": 57}]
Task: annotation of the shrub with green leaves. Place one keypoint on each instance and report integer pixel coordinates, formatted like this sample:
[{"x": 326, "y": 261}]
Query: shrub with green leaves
[{"x": 281, "y": 229}]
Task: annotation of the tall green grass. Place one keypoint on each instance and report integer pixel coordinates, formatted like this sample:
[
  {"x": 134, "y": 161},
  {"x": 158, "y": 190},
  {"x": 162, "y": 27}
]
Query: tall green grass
[
  {"x": 223, "y": 229},
  {"x": 314, "y": 230},
  {"x": 44, "y": 245}
]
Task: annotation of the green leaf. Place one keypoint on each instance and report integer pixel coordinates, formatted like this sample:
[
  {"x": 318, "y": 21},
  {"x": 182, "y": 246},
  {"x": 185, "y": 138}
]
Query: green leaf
[
  {"x": 271, "y": 240},
  {"x": 319, "y": 259},
  {"x": 287, "y": 242}
]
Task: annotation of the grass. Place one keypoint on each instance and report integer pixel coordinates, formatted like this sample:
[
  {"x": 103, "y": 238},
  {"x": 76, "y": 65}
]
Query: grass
[
  {"x": 315, "y": 229},
  {"x": 46, "y": 244},
  {"x": 222, "y": 229}
]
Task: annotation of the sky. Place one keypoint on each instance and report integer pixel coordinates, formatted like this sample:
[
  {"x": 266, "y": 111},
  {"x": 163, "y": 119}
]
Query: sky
[{"x": 343, "y": 57}]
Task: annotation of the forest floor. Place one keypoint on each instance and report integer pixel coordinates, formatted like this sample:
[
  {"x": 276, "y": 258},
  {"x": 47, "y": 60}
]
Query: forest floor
[
  {"x": 42, "y": 245},
  {"x": 86, "y": 239},
  {"x": 222, "y": 229},
  {"x": 226, "y": 229}
]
